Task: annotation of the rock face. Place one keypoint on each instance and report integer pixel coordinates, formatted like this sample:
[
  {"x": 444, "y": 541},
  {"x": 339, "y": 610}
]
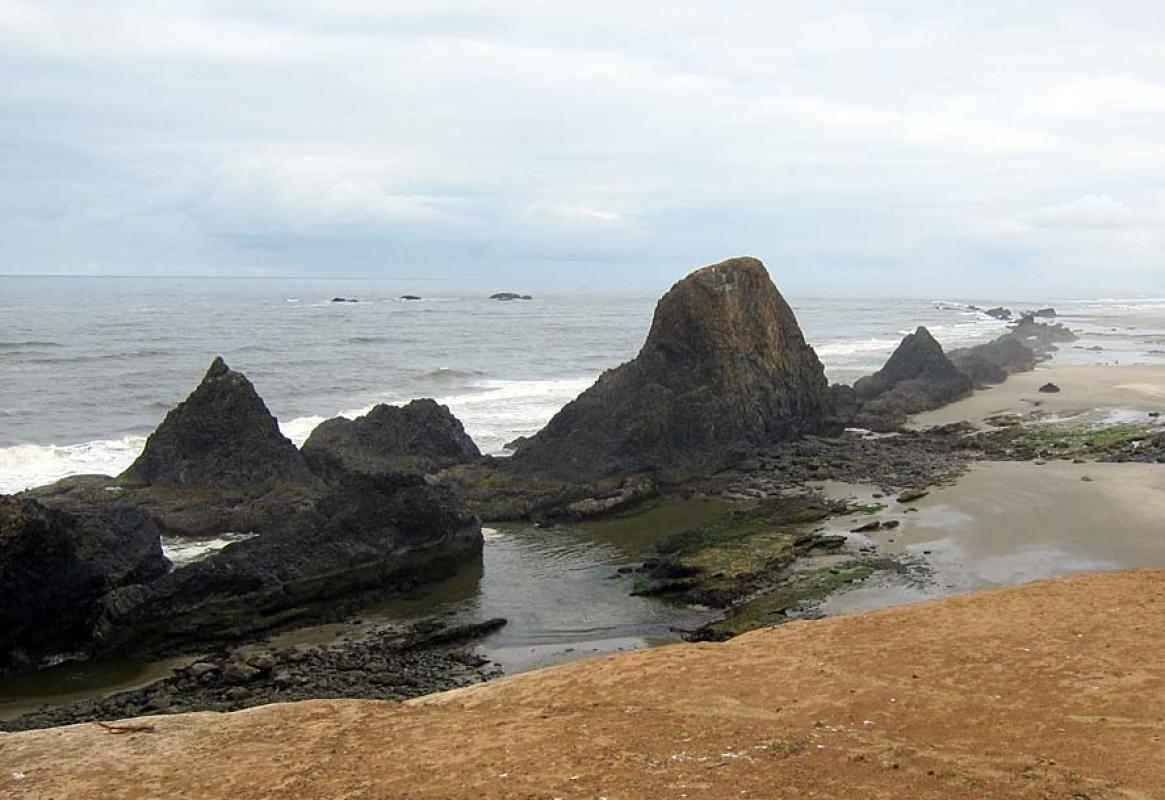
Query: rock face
[
  {"x": 380, "y": 534},
  {"x": 918, "y": 377},
  {"x": 221, "y": 436},
  {"x": 725, "y": 369},
  {"x": 993, "y": 361},
  {"x": 421, "y": 436},
  {"x": 54, "y": 567}
]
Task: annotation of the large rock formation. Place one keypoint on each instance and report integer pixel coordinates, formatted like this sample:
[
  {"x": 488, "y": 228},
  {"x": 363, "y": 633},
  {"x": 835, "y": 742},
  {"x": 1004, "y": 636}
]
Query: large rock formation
[
  {"x": 918, "y": 377},
  {"x": 421, "y": 436},
  {"x": 993, "y": 361},
  {"x": 54, "y": 567},
  {"x": 221, "y": 436},
  {"x": 369, "y": 534},
  {"x": 724, "y": 370}
]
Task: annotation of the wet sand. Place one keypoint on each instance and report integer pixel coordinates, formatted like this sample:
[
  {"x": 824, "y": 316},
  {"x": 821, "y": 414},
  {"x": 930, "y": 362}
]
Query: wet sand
[
  {"x": 1092, "y": 393},
  {"x": 1013, "y": 522}
]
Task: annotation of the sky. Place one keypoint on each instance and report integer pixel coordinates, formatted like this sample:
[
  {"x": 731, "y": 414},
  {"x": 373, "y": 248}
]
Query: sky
[{"x": 892, "y": 148}]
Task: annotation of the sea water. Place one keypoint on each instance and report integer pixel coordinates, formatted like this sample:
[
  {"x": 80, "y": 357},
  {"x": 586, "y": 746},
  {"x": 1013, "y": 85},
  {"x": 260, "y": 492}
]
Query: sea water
[{"x": 89, "y": 366}]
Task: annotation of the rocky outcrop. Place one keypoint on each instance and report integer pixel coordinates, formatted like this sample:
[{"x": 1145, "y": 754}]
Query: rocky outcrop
[
  {"x": 421, "y": 436},
  {"x": 54, "y": 568},
  {"x": 999, "y": 312},
  {"x": 918, "y": 377},
  {"x": 370, "y": 534},
  {"x": 510, "y": 296},
  {"x": 221, "y": 436},
  {"x": 993, "y": 361},
  {"x": 1042, "y": 337},
  {"x": 725, "y": 369}
]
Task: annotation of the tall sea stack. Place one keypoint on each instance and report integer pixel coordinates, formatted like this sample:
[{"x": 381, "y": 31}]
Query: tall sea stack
[
  {"x": 725, "y": 369},
  {"x": 221, "y": 436}
]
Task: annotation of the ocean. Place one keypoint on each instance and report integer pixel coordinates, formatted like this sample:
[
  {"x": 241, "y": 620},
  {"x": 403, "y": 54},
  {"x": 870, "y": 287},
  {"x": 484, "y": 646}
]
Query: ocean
[{"x": 89, "y": 366}]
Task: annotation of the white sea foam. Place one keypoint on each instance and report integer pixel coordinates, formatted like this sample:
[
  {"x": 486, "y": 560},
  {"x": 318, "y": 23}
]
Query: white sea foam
[
  {"x": 501, "y": 411},
  {"x": 23, "y": 466}
]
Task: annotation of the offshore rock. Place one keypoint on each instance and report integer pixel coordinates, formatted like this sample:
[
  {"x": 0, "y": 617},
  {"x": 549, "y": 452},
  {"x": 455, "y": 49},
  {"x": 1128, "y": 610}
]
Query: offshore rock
[
  {"x": 918, "y": 377},
  {"x": 221, "y": 436},
  {"x": 421, "y": 436},
  {"x": 54, "y": 568},
  {"x": 725, "y": 370}
]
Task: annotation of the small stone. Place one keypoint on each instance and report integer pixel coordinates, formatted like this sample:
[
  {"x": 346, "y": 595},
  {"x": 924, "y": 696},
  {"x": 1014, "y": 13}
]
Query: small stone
[
  {"x": 891, "y": 523},
  {"x": 1050, "y": 388},
  {"x": 237, "y": 693},
  {"x": 238, "y": 672},
  {"x": 201, "y": 668},
  {"x": 1086, "y": 479},
  {"x": 261, "y": 660},
  {"x": 912, "y": 494}
]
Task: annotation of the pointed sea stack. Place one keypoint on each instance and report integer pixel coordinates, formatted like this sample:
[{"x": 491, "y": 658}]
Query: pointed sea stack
[
  {"x": 221, "y": 436},
  {"x": 725, "y": 370},
  {"x": 918, "y": 377},
  {"x": 419, "y": 437}
]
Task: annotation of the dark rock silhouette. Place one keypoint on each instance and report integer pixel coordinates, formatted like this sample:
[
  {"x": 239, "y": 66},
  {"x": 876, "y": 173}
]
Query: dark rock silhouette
[
  {"x": 725, "y": 369},
  {"x": 421, "y": 436},
  {"x": 54, "y": 568},
  {"x": 999, "y": 312},
  {"x": 377, "y": 534},
  {"x": 510, "y": 296},
  {"x": 918, "y": 377},
  {"x": 993, "y": 361},
  {"x": 221, "y": 436}
]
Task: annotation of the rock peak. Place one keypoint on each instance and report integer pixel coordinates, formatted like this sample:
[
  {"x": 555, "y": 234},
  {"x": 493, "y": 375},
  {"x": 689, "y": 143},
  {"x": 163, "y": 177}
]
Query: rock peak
[
  {"x": 724, "y": 370},
  {"x": 221, "y": 436},
  {"x": 218, "y": 368}
]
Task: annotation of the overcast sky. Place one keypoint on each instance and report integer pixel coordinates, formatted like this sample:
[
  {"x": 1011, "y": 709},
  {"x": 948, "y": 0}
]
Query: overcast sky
[{"x": 922, "y": 148}]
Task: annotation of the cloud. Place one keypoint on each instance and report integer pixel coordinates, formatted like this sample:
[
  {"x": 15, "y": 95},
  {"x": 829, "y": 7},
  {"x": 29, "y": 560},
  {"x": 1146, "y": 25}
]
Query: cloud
[{"x": 901, "y": 146}]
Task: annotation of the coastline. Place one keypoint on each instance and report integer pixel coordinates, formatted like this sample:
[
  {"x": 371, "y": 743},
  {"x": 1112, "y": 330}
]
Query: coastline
[{"x": 1037, "y": 690}]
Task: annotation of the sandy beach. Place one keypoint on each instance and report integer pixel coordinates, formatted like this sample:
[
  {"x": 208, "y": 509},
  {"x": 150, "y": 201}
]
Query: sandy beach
[{"x": 1089, "y": 393}]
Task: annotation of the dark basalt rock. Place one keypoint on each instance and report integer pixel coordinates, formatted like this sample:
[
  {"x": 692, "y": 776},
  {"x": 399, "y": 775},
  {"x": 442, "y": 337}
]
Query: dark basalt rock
[
  {"x": 993, "y": 361},
  {"x": 421, "y": 436},
  {"x": 1041, "y": 336},
  {"x": 1050, "y": 388},
  {"x": 369, "y": 534},
  {"x": 510, "y": 296},
  {"x": 918, "y": 377},
  {"x": 999, "y": 312},
  {"x": 725, "y": 369},
  {"x": 54, "y": 568},
  {"x": 221, "y": 436},
  {"x": 410, "y": 297}
]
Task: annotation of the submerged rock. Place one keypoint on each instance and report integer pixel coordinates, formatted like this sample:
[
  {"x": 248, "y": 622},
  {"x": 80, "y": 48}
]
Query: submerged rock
[
  {"x": 918, "y": 377},
  {"x": 421, "y": 436},
  {"x": 54, "y": 568},
  {"x": 221, "y": 436},
  {"x": 725, "y": 369}
]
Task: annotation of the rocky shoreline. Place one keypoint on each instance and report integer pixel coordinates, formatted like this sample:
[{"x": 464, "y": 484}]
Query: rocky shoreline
[{"x": 725, "y": 400}]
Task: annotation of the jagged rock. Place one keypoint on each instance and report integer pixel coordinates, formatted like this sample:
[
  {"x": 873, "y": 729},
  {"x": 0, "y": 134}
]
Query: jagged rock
[
  {"x": 54, "y": 568},
  {"x": 1044, "y": 312},
  {"x": 221, "y": 436},
  {"x": 918, "y": 377},
  {"x": 999, "y": 312},
  {"x": 1042, "y": 336},
  {"x": 370, "y": 533},
  {"x": 993, "y": 361},
  {"x": 421, "y": 436},
  {"x": 725, "y": 369}
]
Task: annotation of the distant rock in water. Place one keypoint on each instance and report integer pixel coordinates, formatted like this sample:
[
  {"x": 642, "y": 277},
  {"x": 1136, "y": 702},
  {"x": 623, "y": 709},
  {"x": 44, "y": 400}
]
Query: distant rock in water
[
  {"x": 510, "y": 296},
  {"x": 725, "y": 370},
  {"x": 410, "y": 297},
  {"x": 1042, "y": 336},
  {"x": 421, "y": 436},
  {"x": 999, "y": 312},
  {"x": 221, "y": 436},
  {"x": 344, "y": 300},
  {"x": 918, "y": 377},
  {"x": 54, "y": 568}
]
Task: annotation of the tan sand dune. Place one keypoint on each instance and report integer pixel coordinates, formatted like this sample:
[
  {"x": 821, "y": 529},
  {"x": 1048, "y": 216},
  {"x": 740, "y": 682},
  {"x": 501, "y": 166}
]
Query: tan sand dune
[{"x": 1049, "y": 690}]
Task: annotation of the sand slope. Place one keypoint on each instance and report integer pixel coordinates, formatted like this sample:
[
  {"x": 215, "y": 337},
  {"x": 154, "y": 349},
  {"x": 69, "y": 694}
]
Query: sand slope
[{"x": 1049, "y": 690}]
